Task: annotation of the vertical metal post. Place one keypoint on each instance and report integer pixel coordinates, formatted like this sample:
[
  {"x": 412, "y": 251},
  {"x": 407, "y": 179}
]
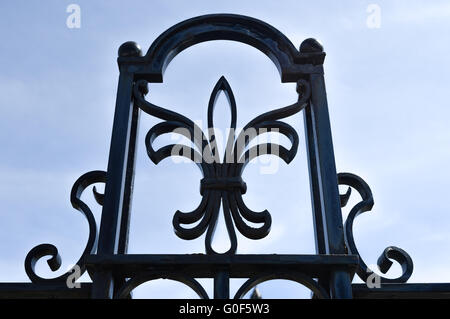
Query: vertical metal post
[
  {"x": 129, "y": 181},
  {"x": 128, "y": 195},
  {"x": 319, "y": 232},
  {"x": 118, "y": 179},
  {"x": 314, "y": 182},
  {"x": 222, "y": 285},
  {"x": 324, "y": 185}
]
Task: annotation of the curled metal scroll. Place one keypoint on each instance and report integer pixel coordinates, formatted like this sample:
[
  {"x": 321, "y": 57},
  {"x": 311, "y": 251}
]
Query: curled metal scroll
[
  {"x": 384, "y": 261},
  {"x": 134, "y": 282},
  {"x": 308, "y": 282},
  {"x": 50, "y": 250},
  {"x": 222, "y": 180}
]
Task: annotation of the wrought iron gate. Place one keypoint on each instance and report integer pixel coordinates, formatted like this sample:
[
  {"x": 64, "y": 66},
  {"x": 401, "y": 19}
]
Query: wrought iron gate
[{"x": 328, "y": 273}]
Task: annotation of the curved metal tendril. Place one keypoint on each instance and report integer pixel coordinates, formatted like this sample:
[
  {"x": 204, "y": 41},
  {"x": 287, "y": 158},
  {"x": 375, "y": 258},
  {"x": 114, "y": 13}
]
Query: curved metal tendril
[
  {"x": 134, "y": 282},
  {"x": 298, "y": 277},
  {"x": 384, "y": 261},
  {"x": 222, "y": 180},
  {"x": 50, "y": 250}
]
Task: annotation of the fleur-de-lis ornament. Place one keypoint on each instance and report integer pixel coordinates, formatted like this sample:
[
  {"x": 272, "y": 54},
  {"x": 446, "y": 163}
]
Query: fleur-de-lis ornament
[{"x": 222, "y": 181}]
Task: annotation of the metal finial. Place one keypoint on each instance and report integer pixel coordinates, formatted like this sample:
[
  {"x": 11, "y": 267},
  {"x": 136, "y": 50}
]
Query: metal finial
[
  {"x": 129, "y": 49},
  {"x": 311, "y": 45}
]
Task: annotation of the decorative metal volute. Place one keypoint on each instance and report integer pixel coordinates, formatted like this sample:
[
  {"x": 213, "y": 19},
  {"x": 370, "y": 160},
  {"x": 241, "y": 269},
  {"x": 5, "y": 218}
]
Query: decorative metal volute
[
  {"x": 384, "y": 263},
  {"x": 50, "y": 250}
]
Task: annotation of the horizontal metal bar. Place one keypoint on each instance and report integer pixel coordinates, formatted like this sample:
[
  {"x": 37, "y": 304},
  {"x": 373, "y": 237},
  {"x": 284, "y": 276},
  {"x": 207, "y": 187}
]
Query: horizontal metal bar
[
  {"x": 239, "y": 266},
  {"x": 402, "y": 291},
  {"x": 142, "y": 71},
  {"x": 30, "y": 290},
  {"x": 360, "y": 291}
]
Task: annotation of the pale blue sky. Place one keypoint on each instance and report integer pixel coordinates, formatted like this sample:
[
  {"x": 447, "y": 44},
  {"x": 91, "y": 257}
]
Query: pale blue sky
[{"x": 387, "y": 93}]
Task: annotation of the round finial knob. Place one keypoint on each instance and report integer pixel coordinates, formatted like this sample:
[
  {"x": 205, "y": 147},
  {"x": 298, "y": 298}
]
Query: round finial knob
[
  {"x": 129, "y": 49},
  {"x": 311, "y": 45}
]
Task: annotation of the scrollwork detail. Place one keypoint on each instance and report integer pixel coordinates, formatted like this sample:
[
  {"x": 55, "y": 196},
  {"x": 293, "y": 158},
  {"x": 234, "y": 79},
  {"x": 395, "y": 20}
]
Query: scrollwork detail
[
  {"x": 384, "y": 261},
  {"x": 50, "y": 250}
]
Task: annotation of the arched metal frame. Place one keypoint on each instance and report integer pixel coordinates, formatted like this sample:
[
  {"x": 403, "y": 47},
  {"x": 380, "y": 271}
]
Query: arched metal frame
[
  {"x": 115, "y": 273},
  {"x": 289, "y": 61},
  {"x": 304, "y": 65}
]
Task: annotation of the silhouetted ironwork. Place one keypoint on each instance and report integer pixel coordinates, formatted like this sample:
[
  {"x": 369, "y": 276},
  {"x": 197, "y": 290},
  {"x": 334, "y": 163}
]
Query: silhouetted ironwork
[
  {"x": 222, "y": 178},
  {"x": 114, "y": 273}
]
